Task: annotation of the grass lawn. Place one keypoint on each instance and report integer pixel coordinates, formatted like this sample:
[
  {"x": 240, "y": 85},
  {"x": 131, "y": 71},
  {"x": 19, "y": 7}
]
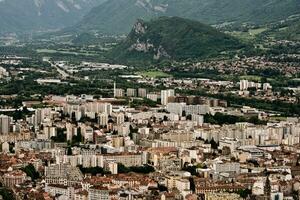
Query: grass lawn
[
  {"x": 52, "y": 51},
  {"x": 154, "y": 74},
  {"x": 278, "y": 118},
  {"x": 256, "y": 31},
  {"x": 251, "y": 78},
  {"x": 246, "y": 36}
]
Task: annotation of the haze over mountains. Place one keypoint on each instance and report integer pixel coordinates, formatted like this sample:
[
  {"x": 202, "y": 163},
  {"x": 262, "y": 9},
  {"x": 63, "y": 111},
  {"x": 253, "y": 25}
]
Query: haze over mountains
[
  {"x": 32, "y": 15},
  {"x": 118, "y": 16}
]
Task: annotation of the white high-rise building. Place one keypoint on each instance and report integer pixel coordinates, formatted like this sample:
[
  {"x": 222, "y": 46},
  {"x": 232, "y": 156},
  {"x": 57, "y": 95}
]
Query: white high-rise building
[
  {"x": 71, "y": 131},
  {"x": 118, "y": 92},
  {"x": 49, "y": 131},
  {"x": 91, "y": 107},
  {"x": 103, "y": 119},
  {"x": 267, "y": 86},
  {"x": 131, "y": 92},
  {"x": 96, "y": 194},
  {"x": 37, "y": 117},
  {"x": 88, "y": 133},
  {"x": 40, "y": 115},
  {"x": 165, "y": 94},
  {"x": 120, "y": 118},
  {"x": 196, "y": 109},
  {"x": 112, "y": 167},
  {"x": 5, "y": 124},
  {"x": 198, "y": 118},
  {"x": 244, "y": 84},
  {"x": 152, "y": 97},
  {"x": 105, "y": 108},
  {"x": 5, "y": 147},
  {"x": 175, "y": 108},
  {"x": 115, "y": 86},
  {"x": 142, "y": 92}
]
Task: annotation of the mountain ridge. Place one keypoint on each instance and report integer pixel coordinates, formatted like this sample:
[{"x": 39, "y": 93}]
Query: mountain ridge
[
  {"x": 173, "y": 38},
  {"x": 33, "y": 15},
  {"x": 118, "y": 16}
]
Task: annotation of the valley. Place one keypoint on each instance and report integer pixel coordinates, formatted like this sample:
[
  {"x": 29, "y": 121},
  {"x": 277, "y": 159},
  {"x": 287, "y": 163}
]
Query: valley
[{"x": 150, "y": 99}]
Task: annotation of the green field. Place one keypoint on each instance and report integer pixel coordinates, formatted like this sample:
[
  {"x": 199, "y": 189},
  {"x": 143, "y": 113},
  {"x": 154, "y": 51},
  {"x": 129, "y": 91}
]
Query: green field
[
  {"x": 255, "y": 78},
  {"x": 278, "y": 118},
  {"x": 251, "y": 78},
  {"x": 52, "y": 51},
  {"x": 154, "y": 74},
  {"x": 250, "y": 35},
  {"x": 256, "y": 31}
]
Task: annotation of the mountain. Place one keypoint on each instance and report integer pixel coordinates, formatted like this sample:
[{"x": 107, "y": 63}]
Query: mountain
[
  {"x": 84, "y": 39},
  {"x": 288, "y": 30},
  {"x": 291, "y": 32},
  {"x": 32, "y": 15},
  {"x": 173, "y": 38},
  {"x": 118, "y": 16}
]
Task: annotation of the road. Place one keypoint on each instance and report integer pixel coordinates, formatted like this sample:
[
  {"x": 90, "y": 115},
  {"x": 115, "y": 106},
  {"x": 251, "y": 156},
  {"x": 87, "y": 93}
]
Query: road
[{"x": 63, "y": 73}]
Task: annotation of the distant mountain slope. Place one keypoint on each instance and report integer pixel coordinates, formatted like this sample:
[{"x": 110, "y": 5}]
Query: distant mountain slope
[
  {"x": 289, "y": 30},
  {"x": 114, "y": 16},
  {"x": 292, "y": 32},
  {"x": 173, "y": 38},
  {"x": 29, "y": 15},
  {"x": 118, "y": 16}
]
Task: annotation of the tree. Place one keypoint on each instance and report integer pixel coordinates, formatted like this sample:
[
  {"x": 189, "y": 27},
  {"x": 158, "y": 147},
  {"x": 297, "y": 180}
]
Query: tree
[
  {"x": 31, "y": 172},
  {"x": 244, "y": 193},
  {"x": 263, "y": 80},
  {"x": 213, "y": 143},
  {"x": 166, "y": 118},
  {"x": 76, "y": 139},
  {"x": 162, "y": 188},
  {"x": 93, "y": 170},
  {"x": 144, "y": 169},
  {"x": 130, "y": 135},
  {"x": 61, "y": 136},
  {"x": 122, "y": 168},
  {"x": 189, "y": 117},
  {"x": 73, "y": 117},
  {"x": 11, "y": 147},
  {"x": 6, "y": 194},
  {"x": 192, "y": 184},
  {"x": 191, "y": 169},
  {"x": 69, "y": 151}
]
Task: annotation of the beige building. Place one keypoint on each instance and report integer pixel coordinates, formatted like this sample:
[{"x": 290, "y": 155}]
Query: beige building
[
  {"x": 112, "y": 167},
  {"x": 65, "y": 191},
  {"x": 142, "y": 92},
  {"x": 13, "y": 178},
  {"x": 131, "y": 92},
  {"x": 103, "y": 119},
  {"x": 98, "y": 193},
  {"x": 128, "y": 159},
  {"x": 118, "y": 92},
  {"x": 222, "y": 196},
  {"x": 81, "y": 195}
]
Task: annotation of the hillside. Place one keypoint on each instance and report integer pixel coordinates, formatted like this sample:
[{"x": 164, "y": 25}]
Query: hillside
[
  {"x": 289, "y": 30},
  {"x": 173, "y": 38},
  {"x": 118, "y": 16},
  {"x": 32, "y": 15}
]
